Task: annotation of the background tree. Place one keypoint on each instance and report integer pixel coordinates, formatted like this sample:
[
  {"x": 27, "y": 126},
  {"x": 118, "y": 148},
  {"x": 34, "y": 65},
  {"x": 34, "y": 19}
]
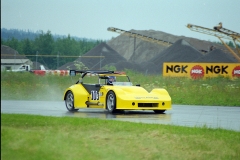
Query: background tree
[
  {"x": 44, "y": 45},
  {"x": 57, "y": 50},
  {"x": 13, "y": 43},
  {"x": 27, "y": 47}
]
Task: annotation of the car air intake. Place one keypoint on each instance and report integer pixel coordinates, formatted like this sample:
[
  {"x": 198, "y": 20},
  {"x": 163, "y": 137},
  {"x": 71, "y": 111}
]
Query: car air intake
[{"x": 147, "y": 104}]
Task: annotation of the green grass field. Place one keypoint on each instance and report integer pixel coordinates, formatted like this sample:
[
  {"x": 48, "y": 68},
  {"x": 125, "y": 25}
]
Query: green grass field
[
  {"x": 215, "y": 91},
  {"x": 38, "y": 137}
]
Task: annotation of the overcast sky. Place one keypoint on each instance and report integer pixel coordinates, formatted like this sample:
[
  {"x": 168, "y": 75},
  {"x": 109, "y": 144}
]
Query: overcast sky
[{"x": 91, "y": 18}]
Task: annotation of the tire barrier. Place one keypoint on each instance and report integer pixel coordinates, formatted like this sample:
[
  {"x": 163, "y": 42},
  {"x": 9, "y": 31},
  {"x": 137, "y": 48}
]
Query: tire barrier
[
  {"x": 51, "y": 72},
  {"x": 58, "y": 72},
  {"x": 38, "y": 72}
]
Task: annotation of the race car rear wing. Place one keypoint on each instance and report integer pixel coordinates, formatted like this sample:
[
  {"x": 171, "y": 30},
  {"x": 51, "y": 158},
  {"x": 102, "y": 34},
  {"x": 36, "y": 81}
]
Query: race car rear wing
[{"x": 85, "y": 72}]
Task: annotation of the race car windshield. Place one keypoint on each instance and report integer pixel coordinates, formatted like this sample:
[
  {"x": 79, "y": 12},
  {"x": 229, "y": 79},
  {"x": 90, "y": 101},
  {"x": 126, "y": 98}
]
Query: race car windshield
[
  {"x": 115, "y": 80},
  {"x": 121, "y": 81}
]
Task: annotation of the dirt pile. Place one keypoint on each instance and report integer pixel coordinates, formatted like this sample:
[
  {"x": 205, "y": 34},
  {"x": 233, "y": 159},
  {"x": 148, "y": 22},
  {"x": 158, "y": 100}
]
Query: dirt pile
[
  {"x": 68, "y": 66},
  {"x": 216, "y": 56},
  {"x": 180, "y": 51},
  {"x": 135, "y": 49},
  {"x": 138, "y": 50},
  {"x": 120, "y": 66},
  {"x": 97, "y": 58}
]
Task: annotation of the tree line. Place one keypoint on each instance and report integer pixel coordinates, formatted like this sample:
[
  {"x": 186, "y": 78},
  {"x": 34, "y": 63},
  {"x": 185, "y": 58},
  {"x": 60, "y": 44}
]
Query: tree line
[{"x": 56, "y": 51}]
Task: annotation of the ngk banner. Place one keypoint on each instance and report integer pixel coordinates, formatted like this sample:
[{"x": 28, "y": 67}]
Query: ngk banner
[{"x": 201, "y": 70}]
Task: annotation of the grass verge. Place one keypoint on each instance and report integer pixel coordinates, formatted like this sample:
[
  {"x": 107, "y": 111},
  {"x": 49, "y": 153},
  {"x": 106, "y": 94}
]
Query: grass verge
[
  {"x": 215, "y": 91},
  {"x": 39, "y": 137}
]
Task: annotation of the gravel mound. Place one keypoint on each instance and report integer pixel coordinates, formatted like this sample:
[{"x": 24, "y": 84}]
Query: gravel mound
[
  {"x": 138, "y": 50},
  {"x": 216, "y": 56},
  {"x": 67, "y": 66},
  {"x": 97, "y": 58},
  {"x": 135, "y": 49},
  {"x": 120, "y": 66},
  {"x": 180, "y": 51}
]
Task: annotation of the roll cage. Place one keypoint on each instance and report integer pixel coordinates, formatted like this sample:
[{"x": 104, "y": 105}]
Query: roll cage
[{"x": 102, "y": 74}]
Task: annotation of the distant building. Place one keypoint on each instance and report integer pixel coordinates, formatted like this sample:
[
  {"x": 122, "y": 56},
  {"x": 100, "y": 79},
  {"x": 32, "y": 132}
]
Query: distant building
[{"x": 11, "y": 59}]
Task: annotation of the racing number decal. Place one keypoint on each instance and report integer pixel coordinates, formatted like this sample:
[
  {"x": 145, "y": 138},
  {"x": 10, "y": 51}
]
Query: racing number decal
[{"x": 94, "y": 95}]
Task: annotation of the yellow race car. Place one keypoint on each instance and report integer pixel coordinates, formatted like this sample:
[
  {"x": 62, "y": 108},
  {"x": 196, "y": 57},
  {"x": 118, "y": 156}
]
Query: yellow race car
[{"x": 113, "y": 91}]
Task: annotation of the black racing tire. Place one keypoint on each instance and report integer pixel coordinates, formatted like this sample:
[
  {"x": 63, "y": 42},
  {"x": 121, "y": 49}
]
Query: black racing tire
[
  {"x": 69, "y": 102},
  {"x": 159, "y": 111},
  {"x": 111, "y": 102}
]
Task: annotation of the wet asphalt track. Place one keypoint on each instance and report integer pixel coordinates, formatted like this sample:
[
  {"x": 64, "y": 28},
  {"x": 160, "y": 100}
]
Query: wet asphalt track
[{"x": 182, "y": 115}]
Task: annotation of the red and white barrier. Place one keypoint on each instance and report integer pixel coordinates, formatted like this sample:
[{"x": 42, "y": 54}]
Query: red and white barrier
[
  {"x": 51, "y": 72},
  {"x": 58, "y": 72}
]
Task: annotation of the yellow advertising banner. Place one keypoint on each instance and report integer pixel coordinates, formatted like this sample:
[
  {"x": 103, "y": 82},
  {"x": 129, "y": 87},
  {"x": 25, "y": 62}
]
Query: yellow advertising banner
[{"x": 201, "y": 70}]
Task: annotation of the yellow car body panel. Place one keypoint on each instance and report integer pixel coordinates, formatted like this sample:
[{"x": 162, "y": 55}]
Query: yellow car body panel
[
  {"x": 129, "y": 97},
  {"x": 80, "y": 95}
]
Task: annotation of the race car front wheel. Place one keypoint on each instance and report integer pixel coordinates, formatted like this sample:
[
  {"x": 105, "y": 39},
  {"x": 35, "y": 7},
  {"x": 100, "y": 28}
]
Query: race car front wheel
[
  {"x": 69, "y": 101},
  {"x": 111, "y": 102}
]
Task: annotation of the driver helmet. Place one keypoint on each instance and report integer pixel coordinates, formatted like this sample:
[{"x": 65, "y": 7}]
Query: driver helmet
[{"x": 111, "y": 79}]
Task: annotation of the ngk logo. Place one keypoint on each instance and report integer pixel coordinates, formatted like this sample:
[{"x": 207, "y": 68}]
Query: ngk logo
[
  {"x": 197, "y": 72},
  {"x": 217, "y": 69},
  {"x": 176, "y": 68},
  {"x": 236, "y": 72}
]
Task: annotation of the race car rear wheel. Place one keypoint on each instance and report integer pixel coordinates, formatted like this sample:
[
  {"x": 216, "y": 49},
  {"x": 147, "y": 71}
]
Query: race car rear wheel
[
  {"x": 69, "y": 101},
  {"x": 111, "y": 102},
  {"x": 159, "y": 111}
]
